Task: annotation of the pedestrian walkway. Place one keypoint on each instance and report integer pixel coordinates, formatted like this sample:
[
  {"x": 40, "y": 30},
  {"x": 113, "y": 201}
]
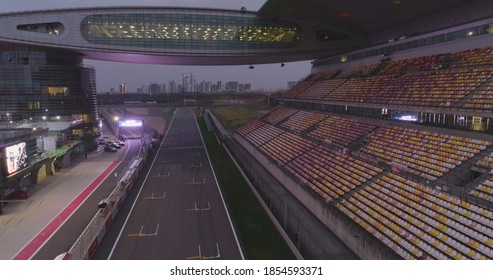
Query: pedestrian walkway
[{"x": 25, "y": 221}]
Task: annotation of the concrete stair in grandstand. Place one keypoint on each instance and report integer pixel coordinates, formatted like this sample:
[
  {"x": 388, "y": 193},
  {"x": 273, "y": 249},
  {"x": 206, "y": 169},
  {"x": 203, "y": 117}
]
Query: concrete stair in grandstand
[
  {"x": 461, "y": 103},
  {"x": 462, "y": 174}
]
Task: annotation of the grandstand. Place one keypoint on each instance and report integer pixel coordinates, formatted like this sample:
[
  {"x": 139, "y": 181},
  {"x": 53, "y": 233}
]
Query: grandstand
[
  {"x": 385, "y": 147},
  {"x": 458, "y": 80},
  {"x": 390, "y": 183}
]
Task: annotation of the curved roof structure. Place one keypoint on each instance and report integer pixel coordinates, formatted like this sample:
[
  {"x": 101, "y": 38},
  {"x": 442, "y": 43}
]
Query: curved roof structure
[
  {"x": 171, "y": 35},
  {"x": 281, "y": 31},
  {"x": 380, "y": 20}
]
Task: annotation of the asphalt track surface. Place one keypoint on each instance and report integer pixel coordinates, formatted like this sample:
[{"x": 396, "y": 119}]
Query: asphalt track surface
[
  {"x": 65, "y": 236},
  {"x": 179, "y": 212}
]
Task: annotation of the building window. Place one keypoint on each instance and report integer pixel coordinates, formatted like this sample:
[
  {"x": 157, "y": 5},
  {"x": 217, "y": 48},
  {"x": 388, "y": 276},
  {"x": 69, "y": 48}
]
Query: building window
[
  {"x": 193, "y": 32},
  {"x": 50, "y": 28},
  {"x": 34, "y": 105},
  {"x": 55, "y": 91}
]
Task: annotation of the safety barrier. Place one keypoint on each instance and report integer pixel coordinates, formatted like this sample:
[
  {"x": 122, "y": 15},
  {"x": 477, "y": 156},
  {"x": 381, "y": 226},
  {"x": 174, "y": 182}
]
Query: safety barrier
[{"x": 86, "y": 245}]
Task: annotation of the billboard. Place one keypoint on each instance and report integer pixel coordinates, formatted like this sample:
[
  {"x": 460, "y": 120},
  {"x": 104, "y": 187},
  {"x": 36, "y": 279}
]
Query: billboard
[
  {"x": 130, "y": 123},
  {"x": 409, "y": 118},
  {"x": 15, "y": 158}
]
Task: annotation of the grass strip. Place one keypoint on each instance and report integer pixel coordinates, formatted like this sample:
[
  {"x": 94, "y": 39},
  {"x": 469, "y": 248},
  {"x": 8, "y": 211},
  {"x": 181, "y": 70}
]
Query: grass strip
[
  {"x": 258, "y": 235},
  {"x": 234, "y": 115}
]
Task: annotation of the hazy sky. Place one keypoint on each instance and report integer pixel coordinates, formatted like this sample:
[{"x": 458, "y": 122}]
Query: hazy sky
[{"x": 110, "y": 74}]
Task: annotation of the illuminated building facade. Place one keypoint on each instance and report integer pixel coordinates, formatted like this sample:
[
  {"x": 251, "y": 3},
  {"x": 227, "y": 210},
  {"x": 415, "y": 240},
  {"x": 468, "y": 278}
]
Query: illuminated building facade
[
  {"x": 180, "y": 36},
  {"x": 41, "y": 85},
  {"x": 47, "y": 110}
]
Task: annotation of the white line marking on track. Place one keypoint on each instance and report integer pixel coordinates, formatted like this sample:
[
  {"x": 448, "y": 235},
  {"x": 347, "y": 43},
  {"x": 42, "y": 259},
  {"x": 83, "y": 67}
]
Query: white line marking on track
[
  {"x": 155, "y": 197},
  {"x": 140, "y": 190},
  {"x": 184, "y": 148},
  {"x": 220, "y": 193}
]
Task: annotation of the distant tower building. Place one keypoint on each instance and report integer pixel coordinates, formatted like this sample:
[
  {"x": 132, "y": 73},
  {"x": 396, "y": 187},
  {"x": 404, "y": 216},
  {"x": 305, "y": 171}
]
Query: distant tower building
[
  {"x": 247, "y": 87},
  {"x": 184, "y": 83},
  {"x": 204, "y": 87},
  {"x": 241, "y": 87},
  {"x": 232, "y": 86},
  {"x": 188, "y": 82},
  {"x": 123, "y": 88},
  {"x": 145, "y": 89},
  {"x": 219, "y": 86},
  {"x": 172, "y": 87},
  {"x": 162, "y": 88},
  {"x": 291, "y": 84},
  {"x": 201, "y": 87},
  {"x": 153, "y": 88},
  {"x": 193, "y": 84}
]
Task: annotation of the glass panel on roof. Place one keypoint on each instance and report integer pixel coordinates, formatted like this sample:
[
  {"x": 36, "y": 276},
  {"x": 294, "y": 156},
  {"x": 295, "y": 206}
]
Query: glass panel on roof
[
  {"x": 198, "y": 31},
  {"x": 50, "y": 28}
]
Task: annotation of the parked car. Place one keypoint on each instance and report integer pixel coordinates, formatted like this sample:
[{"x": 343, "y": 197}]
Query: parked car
[
  {"x": 110, "y": 149},
  {"x": 102, "y": 142},
  {"x": 114, "y": 145}
]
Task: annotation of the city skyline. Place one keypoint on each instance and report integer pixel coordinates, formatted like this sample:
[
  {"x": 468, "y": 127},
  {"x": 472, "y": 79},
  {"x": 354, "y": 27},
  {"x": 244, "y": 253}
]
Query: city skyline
[
  {"x": 192, "y": 85},
  {"x": 111, "y": 74},
  {"x": 265, "y": 76}
]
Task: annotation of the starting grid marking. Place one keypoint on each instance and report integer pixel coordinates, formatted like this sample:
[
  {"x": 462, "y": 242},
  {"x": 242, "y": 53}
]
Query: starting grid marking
[
  {"x": 140, "y": 234},
  {"x": 200, "y": 257},
  {"x": 182, "y": 148},
  {"x": 155, "y": 197},
  {"x": 200, "y": 209},
  {"x": 197, "y": 182},
  {"x": 166, "y": 174}
]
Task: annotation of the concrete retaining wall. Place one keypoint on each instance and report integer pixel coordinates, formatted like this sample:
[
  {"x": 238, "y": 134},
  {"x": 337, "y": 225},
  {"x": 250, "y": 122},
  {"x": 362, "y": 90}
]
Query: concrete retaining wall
[{"x": 365, "y": 245}]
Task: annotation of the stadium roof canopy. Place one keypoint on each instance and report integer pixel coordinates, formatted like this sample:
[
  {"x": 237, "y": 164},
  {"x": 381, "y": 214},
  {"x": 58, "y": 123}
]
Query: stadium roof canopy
[
  {"x": 281, "y": 31},
  {"x": 380, "y": 20}
]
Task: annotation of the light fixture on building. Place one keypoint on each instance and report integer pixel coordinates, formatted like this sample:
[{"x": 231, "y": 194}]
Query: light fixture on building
[
  {"x": 282, "y": 64},
  {"x": 251, "y": 67}
]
